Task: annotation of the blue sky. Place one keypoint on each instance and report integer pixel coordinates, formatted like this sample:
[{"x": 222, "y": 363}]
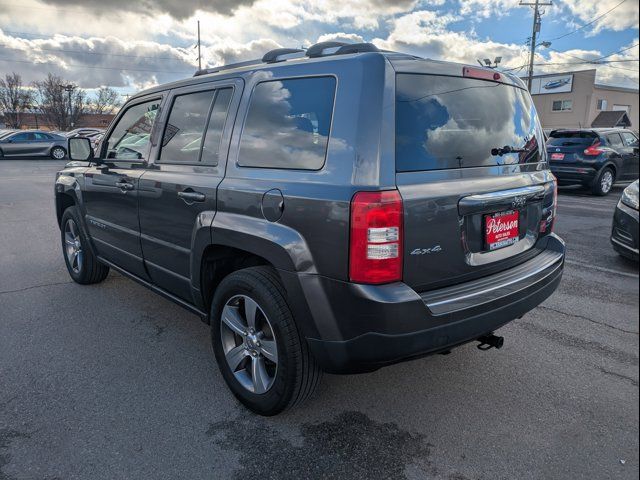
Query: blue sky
[{"x": 136, "y": 44}]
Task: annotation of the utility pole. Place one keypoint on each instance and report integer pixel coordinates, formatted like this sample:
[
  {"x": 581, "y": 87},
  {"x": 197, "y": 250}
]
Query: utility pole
[
  {"x": 536, "y": 29},
  {"x": 69, "y": 89}
]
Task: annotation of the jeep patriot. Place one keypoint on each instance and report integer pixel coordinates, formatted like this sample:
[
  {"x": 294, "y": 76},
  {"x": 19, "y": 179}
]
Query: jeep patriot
[{"x": 334, "y": 209}]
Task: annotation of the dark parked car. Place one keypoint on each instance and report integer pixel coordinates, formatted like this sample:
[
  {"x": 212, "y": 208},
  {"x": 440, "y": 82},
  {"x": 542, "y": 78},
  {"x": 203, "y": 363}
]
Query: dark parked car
[
  {"x": 336, "y": 209},
  {"x": 33, "y": 143},
  {"x": 624, "y": 234},
  {"x": 594, "y": 158}
]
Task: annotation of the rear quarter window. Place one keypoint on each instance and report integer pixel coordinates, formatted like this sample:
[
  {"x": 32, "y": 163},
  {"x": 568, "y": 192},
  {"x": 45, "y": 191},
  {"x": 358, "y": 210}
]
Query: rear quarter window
[{"x": 288, "y": 124}]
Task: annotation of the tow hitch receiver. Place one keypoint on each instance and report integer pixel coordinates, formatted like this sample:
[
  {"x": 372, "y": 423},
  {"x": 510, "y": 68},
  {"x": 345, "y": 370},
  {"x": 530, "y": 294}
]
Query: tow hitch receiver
[{"x": 490, "y": 341}]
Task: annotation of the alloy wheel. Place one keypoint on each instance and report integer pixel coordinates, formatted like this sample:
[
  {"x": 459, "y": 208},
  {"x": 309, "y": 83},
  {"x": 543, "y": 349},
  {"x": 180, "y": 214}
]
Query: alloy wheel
[
  {"x": 73, "y": 246},
  {"x": 249, "y": 344},
  {"x": 57, "y": 153},
  {"x": 606, "y": 182}
]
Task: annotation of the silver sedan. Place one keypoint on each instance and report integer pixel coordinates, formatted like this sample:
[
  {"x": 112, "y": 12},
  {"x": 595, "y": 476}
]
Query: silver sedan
[{"x": 33, "y": 143}]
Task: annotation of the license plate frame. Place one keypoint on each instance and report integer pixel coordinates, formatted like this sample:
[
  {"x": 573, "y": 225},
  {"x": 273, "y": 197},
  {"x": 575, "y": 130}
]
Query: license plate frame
[
  {"x": 501, "y": 229},
  {"x": 557, "y": 156}
]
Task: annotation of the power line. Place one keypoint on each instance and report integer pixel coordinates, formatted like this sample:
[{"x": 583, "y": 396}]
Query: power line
[
  {"x": 590, "y": 23},
  {"x": 619, "y": 51}
]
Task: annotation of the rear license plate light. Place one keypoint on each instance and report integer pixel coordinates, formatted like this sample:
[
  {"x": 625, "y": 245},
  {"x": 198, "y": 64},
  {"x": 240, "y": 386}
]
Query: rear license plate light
[{"x": 501, "y": 229}]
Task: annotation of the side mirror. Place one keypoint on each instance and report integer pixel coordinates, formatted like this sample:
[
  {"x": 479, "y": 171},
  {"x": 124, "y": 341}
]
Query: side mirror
[{"x": 80, "y": 149}]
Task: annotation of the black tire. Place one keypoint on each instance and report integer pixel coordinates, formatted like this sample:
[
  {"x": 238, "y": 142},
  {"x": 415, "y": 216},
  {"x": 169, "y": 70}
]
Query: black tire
[
  {"x": 601, "y": 185},
  {"x": 58, "y": 153},
  {"x": 84, "y": 267},
  {"x": 296, "y": 375}
]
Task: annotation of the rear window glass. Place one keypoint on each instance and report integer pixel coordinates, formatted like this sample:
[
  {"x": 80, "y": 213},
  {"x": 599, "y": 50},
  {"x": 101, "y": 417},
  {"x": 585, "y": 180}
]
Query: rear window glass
[
  {"x": 288, "y": 124},
  {"x": 452, "y": 122},
  {"x": 565, "y": 138},
  {"x": 615, "y": 140}
]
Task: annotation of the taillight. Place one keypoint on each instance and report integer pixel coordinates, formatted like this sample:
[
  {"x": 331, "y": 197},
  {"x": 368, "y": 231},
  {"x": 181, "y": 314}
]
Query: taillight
[
  {"x": 593, "y": 150},
  {"x": 375, "y": 254}
]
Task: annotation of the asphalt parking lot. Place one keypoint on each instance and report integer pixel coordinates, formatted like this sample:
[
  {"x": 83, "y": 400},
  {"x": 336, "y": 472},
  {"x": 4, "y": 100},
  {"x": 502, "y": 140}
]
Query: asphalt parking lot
[{"x": 113, "y": 382}]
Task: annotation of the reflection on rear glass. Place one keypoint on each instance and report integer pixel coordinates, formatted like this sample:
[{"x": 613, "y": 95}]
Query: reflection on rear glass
[{"x": 452, "y": 122}]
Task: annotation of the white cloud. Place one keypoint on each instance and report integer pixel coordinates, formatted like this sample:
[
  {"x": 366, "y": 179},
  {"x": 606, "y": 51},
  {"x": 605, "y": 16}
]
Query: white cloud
[{"x": 623, "y": 17}]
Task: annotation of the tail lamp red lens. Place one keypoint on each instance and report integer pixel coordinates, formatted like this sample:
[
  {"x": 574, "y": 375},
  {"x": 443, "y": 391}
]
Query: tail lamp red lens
[
  {"x": 375, "y": 254},
  {"x": 594, "y": 150}
]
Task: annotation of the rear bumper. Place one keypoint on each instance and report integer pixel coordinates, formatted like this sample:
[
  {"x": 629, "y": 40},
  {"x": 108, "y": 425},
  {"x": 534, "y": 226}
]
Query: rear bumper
[
  {"x": 624, "y": 234},
  {"x": 355, "y": 328},
  {"x": 574, "y": 175}
]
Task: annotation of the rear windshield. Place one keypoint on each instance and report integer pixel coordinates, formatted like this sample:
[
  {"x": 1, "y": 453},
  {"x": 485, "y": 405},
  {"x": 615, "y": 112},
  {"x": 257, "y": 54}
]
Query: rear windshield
[
  {"x": 568, "y": 139},
  {"x": 453, "y": 122}
]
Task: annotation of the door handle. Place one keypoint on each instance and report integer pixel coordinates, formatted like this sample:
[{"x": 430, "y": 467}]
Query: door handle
[
  {"x": 190, "y": 197},
  {"x": 124, "y": 186}
]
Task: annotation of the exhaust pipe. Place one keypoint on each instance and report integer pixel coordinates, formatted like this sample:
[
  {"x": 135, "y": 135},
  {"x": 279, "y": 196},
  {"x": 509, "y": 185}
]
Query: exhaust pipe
[{"x": 490, "y": 341}]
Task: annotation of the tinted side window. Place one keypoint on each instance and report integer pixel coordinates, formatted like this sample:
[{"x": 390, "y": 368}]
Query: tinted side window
[
  {"x": 217, "y": 119},
  {"x": 131, "y": 138},
  {"x": 288, "y": 124},
  {"x": 614, "y": 139},
  {"x": 185, "y": 128},
  {"x": 21, "y": 137}
]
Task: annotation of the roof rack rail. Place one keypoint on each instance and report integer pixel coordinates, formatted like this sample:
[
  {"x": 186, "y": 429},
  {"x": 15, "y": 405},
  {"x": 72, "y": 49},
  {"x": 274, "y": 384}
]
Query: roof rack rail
[
  {"x": 281, "y": 54},
  {"x": 248, "y": 63},
  {"x": 339, "y": 48}
]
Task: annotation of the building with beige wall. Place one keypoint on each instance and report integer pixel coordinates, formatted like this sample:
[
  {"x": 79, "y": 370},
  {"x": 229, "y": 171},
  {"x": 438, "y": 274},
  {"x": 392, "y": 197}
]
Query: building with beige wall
[{"x": 574, "y": 100}]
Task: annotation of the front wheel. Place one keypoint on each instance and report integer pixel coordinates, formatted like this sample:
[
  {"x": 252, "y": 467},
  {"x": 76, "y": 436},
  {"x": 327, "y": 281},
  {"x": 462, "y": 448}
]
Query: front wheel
[
  {"x": 82, "y": 264},
  {"x": 58, "y": 153},
  {"x": 260, "y": 353},
  {"x": 604, "y": 182}
]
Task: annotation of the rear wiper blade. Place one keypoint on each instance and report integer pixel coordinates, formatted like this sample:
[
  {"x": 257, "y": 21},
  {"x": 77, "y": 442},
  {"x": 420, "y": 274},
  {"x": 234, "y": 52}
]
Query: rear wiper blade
[{"x": 500, "y": 151}]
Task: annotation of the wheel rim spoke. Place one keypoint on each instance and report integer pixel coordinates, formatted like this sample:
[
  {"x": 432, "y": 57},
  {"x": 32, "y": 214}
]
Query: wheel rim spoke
[
  {"x": 68, "y": 238},
  {"x": 250, "y": 310},
  {"x": 235, "y": 356},
  {"x": 259, "y": 375},
  {"x": 269, "y": 350},
  {"x": 232, "y": 319}
]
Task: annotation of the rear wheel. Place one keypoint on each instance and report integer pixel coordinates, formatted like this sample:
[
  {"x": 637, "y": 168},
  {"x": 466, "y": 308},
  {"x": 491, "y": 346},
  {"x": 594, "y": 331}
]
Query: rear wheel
[
  {"x": 604, "y": 182},
  {"x": 82, "y": 264},
  {"x": 261, "y": 355},
  {"x": 58, "y": 153}
]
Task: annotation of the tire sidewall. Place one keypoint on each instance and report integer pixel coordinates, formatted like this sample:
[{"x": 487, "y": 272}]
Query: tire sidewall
[{"x": 277, "y": 397}]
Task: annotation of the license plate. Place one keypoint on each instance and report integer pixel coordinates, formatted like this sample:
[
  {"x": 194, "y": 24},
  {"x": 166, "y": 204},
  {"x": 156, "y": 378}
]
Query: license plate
[
  {"x": 501, "y": 229},
  {"x": 557, "y": 156}
]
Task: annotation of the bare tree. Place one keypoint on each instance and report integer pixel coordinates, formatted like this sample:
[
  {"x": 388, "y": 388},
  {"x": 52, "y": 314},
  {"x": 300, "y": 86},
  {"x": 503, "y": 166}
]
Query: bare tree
[
  {"x": 60, "y": 102},
  {"x": 14, "y": 99},
  {"x": 106, "y": 100}
]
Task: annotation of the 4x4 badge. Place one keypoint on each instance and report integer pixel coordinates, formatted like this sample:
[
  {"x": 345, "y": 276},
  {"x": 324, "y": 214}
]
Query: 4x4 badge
[{"x": 426, "y": 251}]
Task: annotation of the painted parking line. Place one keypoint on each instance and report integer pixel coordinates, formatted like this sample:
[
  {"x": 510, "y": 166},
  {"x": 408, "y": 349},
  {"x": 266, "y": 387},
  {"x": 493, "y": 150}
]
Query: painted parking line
[{"x": 602, "y": 269}]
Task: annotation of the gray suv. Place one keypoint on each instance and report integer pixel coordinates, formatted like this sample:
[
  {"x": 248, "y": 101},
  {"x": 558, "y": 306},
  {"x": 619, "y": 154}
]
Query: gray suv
[{"x": 336, "y": 209}]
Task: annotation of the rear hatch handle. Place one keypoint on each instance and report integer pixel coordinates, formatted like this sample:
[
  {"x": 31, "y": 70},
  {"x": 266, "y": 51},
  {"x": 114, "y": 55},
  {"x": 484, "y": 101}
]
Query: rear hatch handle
[{"x": 514, "y": 199}]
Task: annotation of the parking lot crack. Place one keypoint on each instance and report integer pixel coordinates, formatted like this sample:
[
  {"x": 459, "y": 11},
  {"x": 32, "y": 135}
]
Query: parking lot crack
[
  {"x": 31, "y": 287},
  {"x": 625, "y": 378},
  {"x": 582, "y": 317},
  {"x": 576, "y": 342}
]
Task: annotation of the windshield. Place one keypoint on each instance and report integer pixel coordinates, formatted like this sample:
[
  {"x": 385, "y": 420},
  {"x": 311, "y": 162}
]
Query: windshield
[{"x": 452, "y": 122}]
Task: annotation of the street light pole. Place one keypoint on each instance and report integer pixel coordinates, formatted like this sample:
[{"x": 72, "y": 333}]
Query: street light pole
[{"x": 535, "y": 30}]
